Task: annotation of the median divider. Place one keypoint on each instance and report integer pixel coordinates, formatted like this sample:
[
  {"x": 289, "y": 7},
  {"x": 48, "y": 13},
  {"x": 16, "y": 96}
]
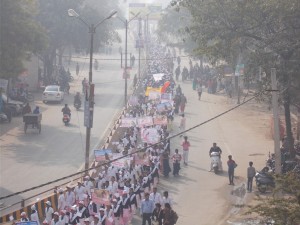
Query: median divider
[{"x": 40, "y": 206}]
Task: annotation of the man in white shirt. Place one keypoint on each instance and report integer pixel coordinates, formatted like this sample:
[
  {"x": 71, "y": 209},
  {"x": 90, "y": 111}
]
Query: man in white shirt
[
  {"x": 79, "y": 192},
  {"x": 70, "y": 197},
  {"x": 114, "y": 185},
  {"x": 155, "y": 196},
  {"x": 88, "y": 185},
  {"x": 61, "y": 200},
  {"x": 34, "y": 216},
  {"x": 55, "y": 220},
  {"x": 48, "y": 211}
]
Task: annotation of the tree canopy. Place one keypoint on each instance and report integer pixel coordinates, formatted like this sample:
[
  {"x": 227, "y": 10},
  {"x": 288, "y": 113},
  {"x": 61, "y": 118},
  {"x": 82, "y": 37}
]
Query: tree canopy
[{"x": 20, "y": 35}]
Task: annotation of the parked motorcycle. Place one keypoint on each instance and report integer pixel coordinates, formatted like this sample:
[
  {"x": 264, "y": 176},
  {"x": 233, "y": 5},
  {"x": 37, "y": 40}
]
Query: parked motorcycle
[
  {"x": 264, "y": 180},
  {"x": 4, "y": 118},
  {"x": 216, "y": 162},
  {"x": 66, "y": 119}
]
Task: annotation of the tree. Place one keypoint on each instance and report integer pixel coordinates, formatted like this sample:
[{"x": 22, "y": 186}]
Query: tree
[
  {"x": 65, "y": 32},
  {"x": 20, "y": 35},
  {"x": 267, "y": 31},
  {"x": 284, "y": 205}
]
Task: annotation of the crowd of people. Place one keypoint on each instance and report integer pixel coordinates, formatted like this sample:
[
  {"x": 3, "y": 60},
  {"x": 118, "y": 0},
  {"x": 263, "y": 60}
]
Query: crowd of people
[{"x": 125, "y": 188}]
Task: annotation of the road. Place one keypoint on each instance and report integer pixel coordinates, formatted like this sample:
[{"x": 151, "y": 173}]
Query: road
[
  {"x": 32, "y": 159},
  {"x": 201, "y": 197}
]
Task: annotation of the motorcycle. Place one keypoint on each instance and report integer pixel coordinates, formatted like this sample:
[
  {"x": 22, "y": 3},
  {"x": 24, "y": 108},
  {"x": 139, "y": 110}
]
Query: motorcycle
[
  {"x": 216, "y": 162},
  {"x": 66, "y": 119},
  {"x": 77, "y": 104},
  {"x": 4, "y": 118},
  {"x": 264, "y": 180}
]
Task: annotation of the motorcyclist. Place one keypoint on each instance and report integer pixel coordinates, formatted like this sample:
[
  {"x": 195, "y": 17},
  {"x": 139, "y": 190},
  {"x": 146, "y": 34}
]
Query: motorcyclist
[
  {"x": 77, "y": 98},
  {"x": 66, "y": 110},
  {"x": 217, "y": 149}
]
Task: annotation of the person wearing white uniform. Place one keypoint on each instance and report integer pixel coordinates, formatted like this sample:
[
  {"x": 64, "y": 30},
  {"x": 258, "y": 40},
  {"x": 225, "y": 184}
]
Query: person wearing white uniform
[
  {"x": 166, "y": 199},
  {"x": 79, "y": 192},
  {"x": 34, "y": 216},
  {"x": 55, "y": 220},
  {"x": 155, "y": 197},
  {"x": 48, "y": 211},
  {"x": 63, "y": 218},
  {"x": 88, "y": 185},
  {"x": 70, "y": 197},
  {"x": 61, "y": 200}
]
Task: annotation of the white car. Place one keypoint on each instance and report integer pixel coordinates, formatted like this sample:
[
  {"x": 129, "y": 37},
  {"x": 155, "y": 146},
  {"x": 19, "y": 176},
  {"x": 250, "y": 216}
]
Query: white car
[{"x": 53, "y": 93}]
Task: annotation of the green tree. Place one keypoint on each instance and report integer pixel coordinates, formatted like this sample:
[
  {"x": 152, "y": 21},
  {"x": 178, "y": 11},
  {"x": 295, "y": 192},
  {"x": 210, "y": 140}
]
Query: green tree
[
  {"x": 65, "y": 32},
  {"x": 20, "y": 35},
  {"x": 255, "y": 30}
]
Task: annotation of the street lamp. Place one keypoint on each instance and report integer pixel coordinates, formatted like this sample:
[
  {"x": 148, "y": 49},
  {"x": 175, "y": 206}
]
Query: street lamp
[
  {"x": 126, "y": 22},
  {"x": 89, "y": 98}
]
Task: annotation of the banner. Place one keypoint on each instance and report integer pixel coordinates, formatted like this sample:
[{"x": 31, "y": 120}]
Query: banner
[
  {"x": 152, "y": 89},
  {"x": 150, "y": 135},
  {"x": 100, "y": 196},
  {"x": 128, "y": 122},
  {"x": 153, "y": 95},
  {"x": 158, "y": 76},
  {"x": 160, "y": 120},
  {"x": 166, "y": 96},
  {"x": 102, "y": 154},
  {"x": 163, "y": 107},
  {"x": 121, "y": 163},
  {"x": 145, "y": 121}
]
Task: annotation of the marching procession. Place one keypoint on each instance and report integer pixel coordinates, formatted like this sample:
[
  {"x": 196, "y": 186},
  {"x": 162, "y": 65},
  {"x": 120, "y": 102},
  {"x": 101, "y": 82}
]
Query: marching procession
[{"x": 129, "y": 186}]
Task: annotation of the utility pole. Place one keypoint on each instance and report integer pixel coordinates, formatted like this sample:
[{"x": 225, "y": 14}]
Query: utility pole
[
  {"x": 140, "y": 34},
  {"x": 125, "y": 72},
  {"x": 276, "y": 122}
]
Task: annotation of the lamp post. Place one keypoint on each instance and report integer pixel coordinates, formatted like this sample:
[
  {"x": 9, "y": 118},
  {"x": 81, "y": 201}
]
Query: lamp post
[
  {"x": 89, "y": 98},
  {"x": 140, "y": 35},
  {"x": 126, "y": 22}
]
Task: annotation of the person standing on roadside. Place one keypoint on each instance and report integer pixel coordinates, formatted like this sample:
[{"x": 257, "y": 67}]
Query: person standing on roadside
[
  {"x": 231, "y": 166},
  {"x": 182, "y": 123},
  {"x": 199, "y": 90},
  {"x": 185, "y": 147},
  {"x": 250, "y": 174}
]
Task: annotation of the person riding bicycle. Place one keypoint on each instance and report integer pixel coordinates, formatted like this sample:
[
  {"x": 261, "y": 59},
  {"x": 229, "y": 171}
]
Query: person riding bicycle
[{"x": 66, "y": 110}]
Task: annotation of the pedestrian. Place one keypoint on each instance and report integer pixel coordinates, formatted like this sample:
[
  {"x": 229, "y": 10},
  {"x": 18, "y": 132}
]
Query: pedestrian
[
  {"x": 183, "y": 102},
  {"x": 185, "y": 147},
  {"x": 250, "y": 174},
  {"x": 199, "y": 90},
  {"x": 55, "y": 220},
  {"x": 70, "y": 197},
  {"x": 182, "y": 123},
  {"x": 61, "y": 200},
  {"x": 24, "y": 217},
  {"x": 170, "y": 217},
  {"x": 176, "y": 163},
  {"x": 231, "y": 166},
  {"x": 157, "y": 215},
  {"x": 77, "y": 69},
  {"x": 165, "y": 163},
  {"x": 48, "y": 211},
  {"x": 155, "y": 196},
  {"x": 147, "y": 208},
  {"x": 34, "y": 216}
]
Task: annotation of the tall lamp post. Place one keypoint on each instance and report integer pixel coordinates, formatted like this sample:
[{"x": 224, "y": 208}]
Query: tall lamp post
[
  {"x": 126, "y": 22},
  {"x": 89, "y": 98}
]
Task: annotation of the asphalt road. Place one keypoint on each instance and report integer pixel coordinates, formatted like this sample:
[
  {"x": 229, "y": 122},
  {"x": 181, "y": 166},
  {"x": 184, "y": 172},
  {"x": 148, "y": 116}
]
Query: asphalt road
[{"x": 32, "y": 159}]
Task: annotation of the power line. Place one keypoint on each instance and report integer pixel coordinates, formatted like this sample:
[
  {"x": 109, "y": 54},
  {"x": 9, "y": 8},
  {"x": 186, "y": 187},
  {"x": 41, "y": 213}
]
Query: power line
[{"x": 139, "y": 150}]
